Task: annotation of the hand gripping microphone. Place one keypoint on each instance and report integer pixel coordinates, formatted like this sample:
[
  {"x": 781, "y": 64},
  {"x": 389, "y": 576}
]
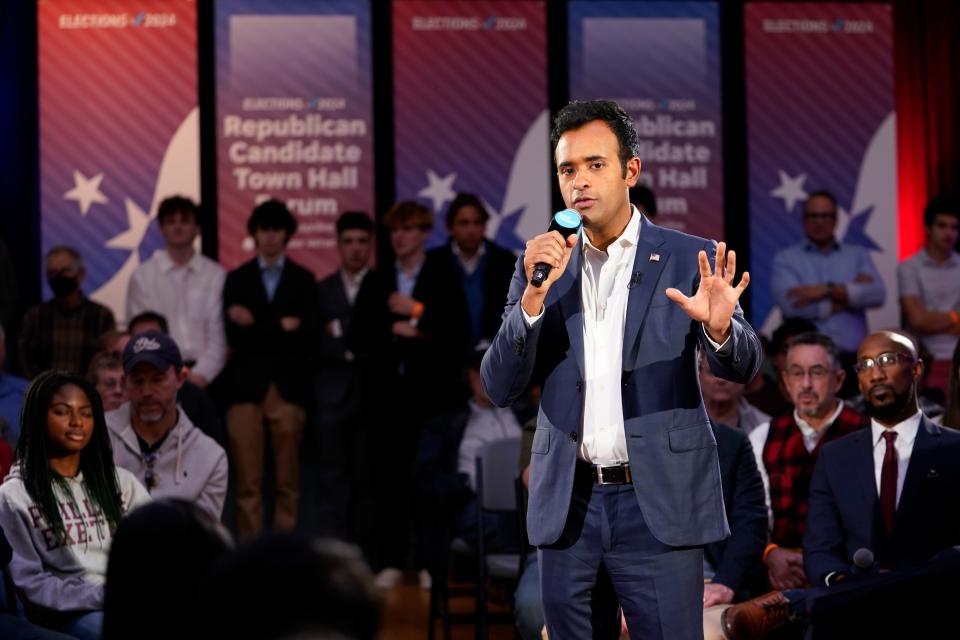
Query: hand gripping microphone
[{"x": 567, "y": 222}]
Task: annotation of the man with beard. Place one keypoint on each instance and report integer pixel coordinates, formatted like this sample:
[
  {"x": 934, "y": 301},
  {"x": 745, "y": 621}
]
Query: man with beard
[
  {"x": 882, "y": 499},
  {"x": 787, "y": 448},
  {"x": 154, "y": 439}
]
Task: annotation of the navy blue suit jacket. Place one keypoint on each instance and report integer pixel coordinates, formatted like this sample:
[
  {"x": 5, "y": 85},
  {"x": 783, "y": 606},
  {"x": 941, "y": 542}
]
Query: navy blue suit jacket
[
  {"x": 737, "y": 559},
  {"x": 844, "y": 508},
  {"x": 673, "y": 454}
]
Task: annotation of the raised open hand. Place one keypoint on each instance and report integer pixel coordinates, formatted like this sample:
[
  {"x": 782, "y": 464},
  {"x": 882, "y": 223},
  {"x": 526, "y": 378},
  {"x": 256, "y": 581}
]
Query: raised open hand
[{"x": 716, "y": 297}]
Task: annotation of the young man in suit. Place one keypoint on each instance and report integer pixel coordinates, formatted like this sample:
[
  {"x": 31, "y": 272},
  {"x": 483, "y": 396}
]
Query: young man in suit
[
  {"x": 890, "y": 490},
  {"x": 270, "y": 304},
  {"x": 341, "y": 422},
  {"x": 484, "y": 267},
  {"x": 624, "y": 470}
]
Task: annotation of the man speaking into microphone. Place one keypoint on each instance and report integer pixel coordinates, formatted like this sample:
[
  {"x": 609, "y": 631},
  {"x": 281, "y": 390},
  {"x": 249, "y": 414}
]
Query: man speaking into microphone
[{"x": 624, "y": 472}]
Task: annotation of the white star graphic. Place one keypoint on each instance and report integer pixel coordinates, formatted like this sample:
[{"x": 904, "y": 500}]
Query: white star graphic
[
  {"x": 85, "y": 191},
  {"x": 440, "y": 190},
  {"x": 137, "y": 222},
  {"x": 790, "y": 189}
]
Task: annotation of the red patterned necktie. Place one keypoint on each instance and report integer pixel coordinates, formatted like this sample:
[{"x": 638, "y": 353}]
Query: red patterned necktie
[{"x": 888, "y": 482}]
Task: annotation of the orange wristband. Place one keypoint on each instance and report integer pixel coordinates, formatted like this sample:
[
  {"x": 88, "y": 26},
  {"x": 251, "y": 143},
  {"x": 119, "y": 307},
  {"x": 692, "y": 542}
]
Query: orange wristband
[
  {"x": 770, "y": 548},
  {"x": 954, "y": 316},
  {"x": 417, "y": 310}
]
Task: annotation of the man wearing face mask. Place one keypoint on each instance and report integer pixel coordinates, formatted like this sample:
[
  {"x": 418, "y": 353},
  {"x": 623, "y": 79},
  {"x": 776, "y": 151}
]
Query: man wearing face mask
[{"x": 62, "y": 333}]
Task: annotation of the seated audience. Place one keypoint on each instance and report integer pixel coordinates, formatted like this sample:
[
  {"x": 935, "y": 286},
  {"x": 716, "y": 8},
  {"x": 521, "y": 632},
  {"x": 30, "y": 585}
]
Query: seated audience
[
  {"x": 786, "y": 449},
  {"x": 12, "y": 389},
  {"x": 287, "y": 585},
  {"x": 725, "y": 403},
  {"x": 63, "y": 332},
  {"x": 766, "y": 391},
  {"x": 61, "y": 504},
  {"x": 929, "y": 285},
  {"x": 106, "y": 374},
  {"x": 156, "y": 441},
  {"x": 186, "y": 287},
  {"x": 194, "y": 400},
  {"x": 882, "y": 500},
  {"x": 179, "y": 544}
]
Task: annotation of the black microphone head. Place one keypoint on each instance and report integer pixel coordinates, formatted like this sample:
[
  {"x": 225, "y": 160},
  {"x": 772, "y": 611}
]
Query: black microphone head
[
  {"x": 567, "y": 222},
  {"x": 863, "y": 558}
]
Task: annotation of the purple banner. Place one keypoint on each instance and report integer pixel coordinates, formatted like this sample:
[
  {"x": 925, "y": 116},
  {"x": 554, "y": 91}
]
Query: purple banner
[
  {"x": 470, "y": 104},
  {"x": 294, "y": 120},
  {"x": 661, "y": 62}
]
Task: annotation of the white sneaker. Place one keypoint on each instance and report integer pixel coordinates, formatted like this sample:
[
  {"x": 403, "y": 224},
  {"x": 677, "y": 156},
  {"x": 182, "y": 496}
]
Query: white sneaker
[
  {"x": 389, "y": 578},
  {"x": 426, "y": 582}
]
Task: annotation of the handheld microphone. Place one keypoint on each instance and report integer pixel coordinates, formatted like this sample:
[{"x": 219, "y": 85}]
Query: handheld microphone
[{"x": 567, "y": 222}]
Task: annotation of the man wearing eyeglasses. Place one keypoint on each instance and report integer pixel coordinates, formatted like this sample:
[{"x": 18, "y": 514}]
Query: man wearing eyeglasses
[
  {"x": 883, "y": 519},
  {"x": 826, "y": 281},
  {"x": 787, "y": 447}
]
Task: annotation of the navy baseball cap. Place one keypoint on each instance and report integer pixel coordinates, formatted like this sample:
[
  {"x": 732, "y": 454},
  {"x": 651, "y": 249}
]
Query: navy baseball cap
[{"x": 153, "y": 347}]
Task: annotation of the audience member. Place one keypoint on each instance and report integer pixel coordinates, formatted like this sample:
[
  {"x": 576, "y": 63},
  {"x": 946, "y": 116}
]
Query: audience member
[
  {"x": 61, "y": 504},
  {"x": 951, "y": 417},
  {"x": 11, "y": 625},
  {"x": 826, "y": 281},
  {"x": 62, "y": 333},
  {"x": 156, "y": 441},
  {"x": 113, "y": 341},
  {"x": 408, "y": 331},
  {"x": 881, "y": 498},
  {"x": 787, "y": 447},
  {"x": 194, "y": 400},
  {"x": 12, "y": 389},
  {"x": 483, "y": 267},
  {"x": 271, "y": 307},
  {"x": 286, "y": 585},
  {"x": 445, "y": 470},
  {"x": 160, "y": 550},
  {"x": 345, "y": 478},
  {"x": 929, "y": 285},
  {"x": 186, "y": 287},
  {"x": 106, "y": 374},
  {"x": 766, "y": 391},
  {"x": 725, "y": 403}
]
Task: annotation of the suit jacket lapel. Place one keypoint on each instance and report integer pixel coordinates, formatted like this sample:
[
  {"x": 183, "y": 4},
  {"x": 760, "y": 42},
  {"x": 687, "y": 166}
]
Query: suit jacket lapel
[
  {"x": 922, "y": 464},
  {"x": 648, "y": 264},
  {"x": 566, "y": 291},
  {"x": 864, "y": 473}
]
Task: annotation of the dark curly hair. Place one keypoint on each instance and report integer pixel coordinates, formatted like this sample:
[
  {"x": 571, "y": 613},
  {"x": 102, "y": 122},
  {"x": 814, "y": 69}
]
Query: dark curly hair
[{"x": 581, "y": 112}]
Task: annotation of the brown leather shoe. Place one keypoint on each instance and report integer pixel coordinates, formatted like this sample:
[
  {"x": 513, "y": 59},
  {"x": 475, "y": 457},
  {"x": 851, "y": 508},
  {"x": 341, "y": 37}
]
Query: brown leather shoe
[{"x": 755, "y": 618}]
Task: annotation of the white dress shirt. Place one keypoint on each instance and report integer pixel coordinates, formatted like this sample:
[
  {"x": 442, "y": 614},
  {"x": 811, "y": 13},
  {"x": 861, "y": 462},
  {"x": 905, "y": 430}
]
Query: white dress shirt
[
  {"x": 484, "y": 425},
  {"x": 190, "y": 297},
  {"x": 604, "y": 293},
  {"x": 903, "y": 443},
  {"x": 351, "y": 283}
]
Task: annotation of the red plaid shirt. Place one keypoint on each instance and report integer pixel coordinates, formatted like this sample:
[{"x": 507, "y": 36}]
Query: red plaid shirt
[{"x": 790, "y": 467}]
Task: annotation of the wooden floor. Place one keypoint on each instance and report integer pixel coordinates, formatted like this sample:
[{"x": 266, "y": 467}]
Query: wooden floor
[{"x": 405, "y": 617}]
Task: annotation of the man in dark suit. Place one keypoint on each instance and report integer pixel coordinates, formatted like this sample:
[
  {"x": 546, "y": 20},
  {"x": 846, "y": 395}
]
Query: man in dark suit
[
  {"x": 270, "y": 304},
  {"x": 624, "y": 470},
  {"x": 884, "y": 497},
  {"x": 338, "y": 388},
  {"x": 411, "y": 335},
  {"x": 484, "y": 268}
]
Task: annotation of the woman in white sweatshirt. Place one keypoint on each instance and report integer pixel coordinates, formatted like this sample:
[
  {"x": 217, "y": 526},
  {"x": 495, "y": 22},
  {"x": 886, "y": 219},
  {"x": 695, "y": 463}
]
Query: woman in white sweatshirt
[{"x": 61, "y": 503}]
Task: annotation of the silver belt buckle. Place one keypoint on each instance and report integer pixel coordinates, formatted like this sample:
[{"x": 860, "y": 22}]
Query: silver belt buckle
[{"x": 599, "y": 474}]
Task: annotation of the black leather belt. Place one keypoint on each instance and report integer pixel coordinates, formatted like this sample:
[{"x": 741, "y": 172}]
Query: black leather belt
[{"x": 614, "y": 474}]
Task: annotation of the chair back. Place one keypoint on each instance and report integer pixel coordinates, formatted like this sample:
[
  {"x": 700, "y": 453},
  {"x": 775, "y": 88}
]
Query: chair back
[{"x": 496, "y": 475}]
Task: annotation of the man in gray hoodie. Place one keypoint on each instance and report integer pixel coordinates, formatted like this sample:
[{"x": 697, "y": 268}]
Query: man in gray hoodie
[{"x": 153, "y": 439}]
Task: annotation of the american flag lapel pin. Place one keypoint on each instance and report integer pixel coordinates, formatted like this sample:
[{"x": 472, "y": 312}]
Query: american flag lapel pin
[{"x": 654, "y": 257}]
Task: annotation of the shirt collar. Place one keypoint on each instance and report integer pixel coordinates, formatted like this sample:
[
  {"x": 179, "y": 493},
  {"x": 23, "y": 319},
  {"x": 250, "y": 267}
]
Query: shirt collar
[
  {"x": 276, "y": 266},
  {"x": 906, "y": 430},
  {"x": 167, "y": 264},
  {"x": 627, "y": 239},
  {"x": 479, "y": 254},
  {"x": 952, "y": 261},
  {"x": 809, "y": 431},
  {"x": 354, "y": 280},
  {"x": 809, "y": 246}
]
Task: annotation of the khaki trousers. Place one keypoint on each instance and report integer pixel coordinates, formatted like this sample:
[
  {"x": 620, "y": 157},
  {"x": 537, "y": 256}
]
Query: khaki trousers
[{"x": 246, "y": 438}]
